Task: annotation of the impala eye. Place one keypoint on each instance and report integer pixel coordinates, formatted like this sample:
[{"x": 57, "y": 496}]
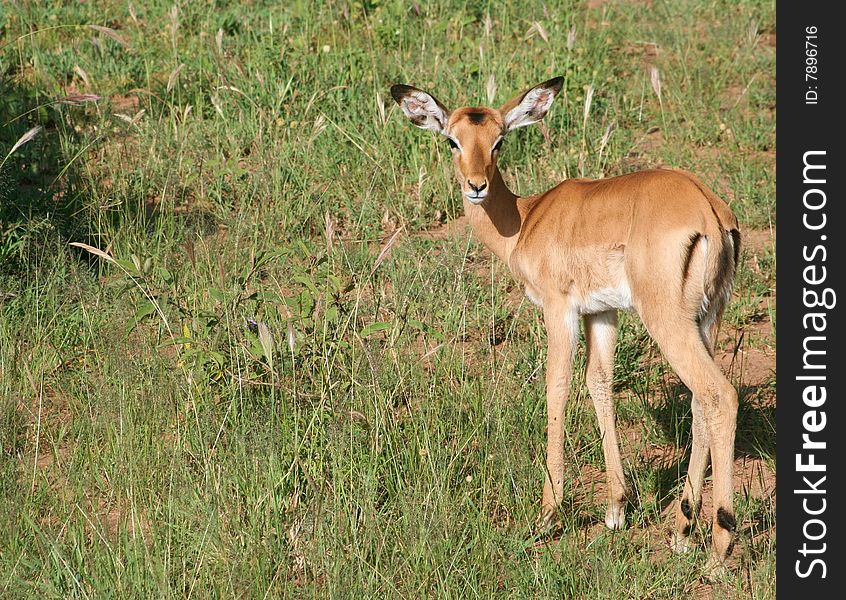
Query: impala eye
[
  {"x": 452, "y": 143},
  {"x": 498, "y": 145}
]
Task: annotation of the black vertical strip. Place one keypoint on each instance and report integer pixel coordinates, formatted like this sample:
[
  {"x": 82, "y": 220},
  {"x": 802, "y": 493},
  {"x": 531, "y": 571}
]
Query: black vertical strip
[
  {"x": 691, "y": 245},
  {"x": 811, "y": 301}
]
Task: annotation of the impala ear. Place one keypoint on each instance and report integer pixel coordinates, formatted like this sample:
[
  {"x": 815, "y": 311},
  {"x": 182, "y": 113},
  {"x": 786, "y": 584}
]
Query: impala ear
[
  {"x": 423, "y": 109},
  {"x": 530, "y": 106}
]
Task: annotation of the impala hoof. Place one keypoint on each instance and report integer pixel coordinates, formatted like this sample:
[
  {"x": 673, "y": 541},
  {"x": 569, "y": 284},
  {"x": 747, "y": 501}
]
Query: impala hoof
[
  {"x": 544, "y": 519},
  {"x": 715, "y": 569},
  {"x": 680, "y": 544},
  {"x": 615, "y": 517}
]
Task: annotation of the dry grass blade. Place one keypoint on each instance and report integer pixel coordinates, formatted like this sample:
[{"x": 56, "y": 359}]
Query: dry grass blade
[
  {"x": 110, "y": 33},
  {"x": 317, "y": 128},
  {"x": 266, "y": 341},
  {"x": 27, "y": 137},
  {"x": 488, "y": 23},
  {"x": 218, "y": 40},
  {"x": 330, "y": 232},
  {"x": 39, "y": 393},
  {"x": 386, "y": 250},
  {"x": 79, "y": 99},
  {"x": 171, "y": 81},
  {"x": 588, "y": 102},
  {"x": 292, "y": 337},
  {"x": 432, "y": 351},
  {"x": 607, "y": 136},
  {"x": 752, "y": 33},
  {"x": 655, "y": 79},
  {"x": 215, "y": 100},
  {"x": 571, "y": 38},
  {"x": 94, "y": 251},
  {"x": 541, "y": 31},
  {"x": 131, "y": 120},
  {"x": 544, "y": 129},
  {"x": 355, "y": 415},
  {"x": 232, "y": 88},
  {"x": 357, "y": 143},
  {"x": 380, "y": 109},
  {"x": 490, "y": 88},
  {"x": 82, "y": 75},
  {"x": 537, "y": 28},
  {"x": 421, "y": 179},
  {"x": 174, "y": 24}
]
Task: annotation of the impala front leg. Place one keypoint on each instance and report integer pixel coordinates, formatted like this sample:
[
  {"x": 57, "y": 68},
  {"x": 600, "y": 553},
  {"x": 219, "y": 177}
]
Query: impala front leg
[
  {"x": 601, "y": 339},
  {"x": 562, "y": 327}
]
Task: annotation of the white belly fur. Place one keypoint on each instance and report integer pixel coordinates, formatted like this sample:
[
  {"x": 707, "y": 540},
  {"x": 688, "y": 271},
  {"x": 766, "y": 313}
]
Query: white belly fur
[
  {"x": 600, "y": 300},
  {"x": 597, "y": 301}
]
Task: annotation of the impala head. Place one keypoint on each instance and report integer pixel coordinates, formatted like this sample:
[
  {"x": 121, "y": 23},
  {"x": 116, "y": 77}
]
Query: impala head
[{"x": 475, "y": 133}]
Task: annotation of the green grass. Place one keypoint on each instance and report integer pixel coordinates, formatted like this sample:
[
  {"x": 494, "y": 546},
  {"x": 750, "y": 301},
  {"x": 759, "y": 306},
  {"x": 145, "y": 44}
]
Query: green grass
[{"x": 227, "y": 407}]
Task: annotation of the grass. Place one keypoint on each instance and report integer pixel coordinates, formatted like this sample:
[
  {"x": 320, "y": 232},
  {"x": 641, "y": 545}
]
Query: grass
[{"x": 238, "y": 401}]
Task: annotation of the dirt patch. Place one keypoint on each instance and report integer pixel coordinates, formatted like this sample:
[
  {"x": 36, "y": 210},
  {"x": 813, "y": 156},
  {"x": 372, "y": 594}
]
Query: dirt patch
[
  {"x": 758, "y": 241},
  {"x": 748, "y": 356},
  {"x": 651, "y": 141},
  {"x": 647, "y": 52},
  {"x": 767, "y": 39},
  {"x": 125, "y": 103},
  {"x": 644, "y": 152},
  {"x": 732, "y": 96},
  {"x": 119, "y": 518}
]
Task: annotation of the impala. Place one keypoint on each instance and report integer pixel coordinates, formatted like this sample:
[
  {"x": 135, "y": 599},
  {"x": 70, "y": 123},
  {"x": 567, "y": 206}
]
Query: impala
[{"x": 656, "y": 241}]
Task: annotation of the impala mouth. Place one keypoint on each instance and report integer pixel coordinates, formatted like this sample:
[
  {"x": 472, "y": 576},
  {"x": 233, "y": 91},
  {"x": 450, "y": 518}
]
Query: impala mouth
[{"x": 476, "y": 197}]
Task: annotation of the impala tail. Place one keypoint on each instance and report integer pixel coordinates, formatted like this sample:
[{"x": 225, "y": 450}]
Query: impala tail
[{"x": 720, "y": 245}]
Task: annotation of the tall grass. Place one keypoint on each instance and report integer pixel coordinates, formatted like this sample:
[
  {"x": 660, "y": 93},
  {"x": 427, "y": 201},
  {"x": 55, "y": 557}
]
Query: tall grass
[{"x": 270, "y": 378}]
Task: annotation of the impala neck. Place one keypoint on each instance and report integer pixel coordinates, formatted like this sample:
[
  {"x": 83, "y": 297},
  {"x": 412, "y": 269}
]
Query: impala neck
[{"x": 497, "y": 221}]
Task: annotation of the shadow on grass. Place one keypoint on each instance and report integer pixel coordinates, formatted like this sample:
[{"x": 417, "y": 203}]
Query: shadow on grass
[
  {"x": 48, "y": 200},
  {"x": 577, "y": 520},
  {"x": 42, "y": 199},
  {"x": 755, "y": 433},
  {"x": 755, "y": 439}
]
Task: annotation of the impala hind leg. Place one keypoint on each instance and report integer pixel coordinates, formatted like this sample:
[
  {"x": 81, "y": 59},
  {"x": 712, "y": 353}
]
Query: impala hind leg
[
  {"x": 690, "y": 501},
  {"x": 562, "y": 329},
  {"x": 601, "y": 337},
  {"x": 690, "y": 357}
]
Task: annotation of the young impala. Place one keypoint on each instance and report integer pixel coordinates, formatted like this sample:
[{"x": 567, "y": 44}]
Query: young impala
[{"x": 657, "y": 241}]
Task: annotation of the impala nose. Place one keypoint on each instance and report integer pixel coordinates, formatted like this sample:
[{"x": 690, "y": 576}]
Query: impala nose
[{"x": 477, "y": 187}]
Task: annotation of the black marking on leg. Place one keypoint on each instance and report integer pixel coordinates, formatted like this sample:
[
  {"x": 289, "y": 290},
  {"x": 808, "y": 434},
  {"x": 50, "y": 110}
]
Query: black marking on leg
[
  {"x": 726, "y": 520},
  {"x": 686, "y": 509}
]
